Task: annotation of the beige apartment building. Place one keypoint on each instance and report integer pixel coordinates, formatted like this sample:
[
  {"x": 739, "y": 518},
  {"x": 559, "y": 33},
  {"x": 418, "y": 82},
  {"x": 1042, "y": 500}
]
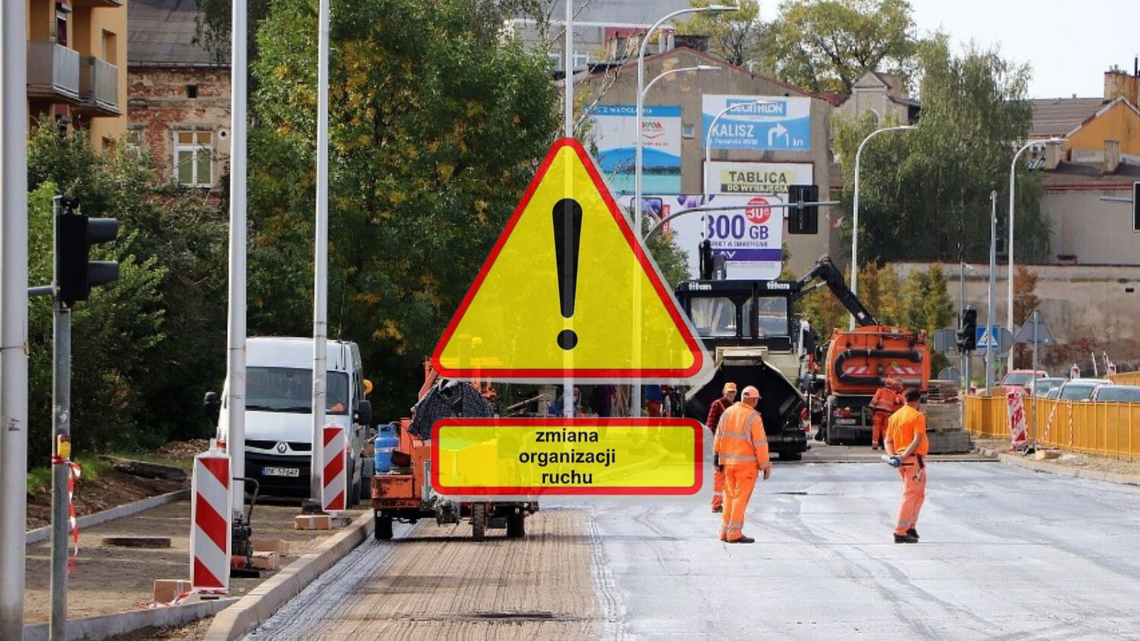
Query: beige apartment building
[{"x": 77, "y": 55}]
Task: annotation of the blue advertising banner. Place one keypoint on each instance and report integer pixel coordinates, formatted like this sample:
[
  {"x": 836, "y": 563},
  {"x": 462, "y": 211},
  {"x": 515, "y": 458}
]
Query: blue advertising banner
[
  {"x": 776, "y": 124},
  {"x": 612, "y": 134}
]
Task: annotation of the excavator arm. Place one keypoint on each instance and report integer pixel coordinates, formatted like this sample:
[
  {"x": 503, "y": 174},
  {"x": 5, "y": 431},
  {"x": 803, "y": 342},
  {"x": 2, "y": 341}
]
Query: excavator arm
[{"x": 826, "y": 271}]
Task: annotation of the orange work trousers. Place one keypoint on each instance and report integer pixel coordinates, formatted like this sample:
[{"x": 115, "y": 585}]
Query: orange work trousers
[
  {"x": 718, "y": 489},
  {"x": 738, "y": 483},
  {"x": 914, "y": 493},
  {"x": 878, "y": 428}
]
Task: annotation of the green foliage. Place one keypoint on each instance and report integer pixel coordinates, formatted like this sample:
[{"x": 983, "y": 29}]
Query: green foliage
[
  {"x": 826, "y": 45},
  {"x": 436, "y": 127},
  {"x": 925, "y": 194},
  {"x": 146, "y": 347},
  {"x": 736, "y": 36},
  {"x": 670, "y": 258}
]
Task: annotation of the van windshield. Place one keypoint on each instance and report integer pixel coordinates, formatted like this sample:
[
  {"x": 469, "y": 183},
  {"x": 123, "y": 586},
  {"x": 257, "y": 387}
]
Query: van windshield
[{"x": 283, "y": 389}]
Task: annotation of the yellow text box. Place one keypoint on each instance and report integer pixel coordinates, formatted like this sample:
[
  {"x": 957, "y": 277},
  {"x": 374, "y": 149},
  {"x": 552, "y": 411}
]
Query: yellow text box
[{"x": 576, "y": 457}]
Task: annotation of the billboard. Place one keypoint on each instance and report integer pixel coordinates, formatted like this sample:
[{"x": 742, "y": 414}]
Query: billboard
[
  {"x": 749, "y": 235},
  {"x": 612, "y": 134},
  {"x": 779, "y": 124},
  {"x": 757, "y": 177}
]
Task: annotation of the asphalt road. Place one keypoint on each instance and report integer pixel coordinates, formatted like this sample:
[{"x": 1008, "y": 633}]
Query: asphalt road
[{"x": 1005, "y": 554}]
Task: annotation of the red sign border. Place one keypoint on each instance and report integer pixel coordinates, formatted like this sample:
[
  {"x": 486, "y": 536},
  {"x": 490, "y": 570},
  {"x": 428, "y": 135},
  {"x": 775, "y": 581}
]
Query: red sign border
[
  {"x": 574, "y": 372},
  {"x": 698, "y": 459}
]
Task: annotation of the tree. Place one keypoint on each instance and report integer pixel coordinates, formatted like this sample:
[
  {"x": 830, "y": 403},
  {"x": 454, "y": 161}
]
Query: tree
[
  {"x": 1025, "y": 300},
  {"x": 150, "y": 341},
  {"x": 826, "y": 45},
  {"x": 437, "y": 123},
  {"x": 736, "y": 36},
  {"x": 925, "y": 194}
]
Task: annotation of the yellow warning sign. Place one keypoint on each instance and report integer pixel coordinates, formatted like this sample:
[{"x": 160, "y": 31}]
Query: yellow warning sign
[{"x": 569, "y": 291}]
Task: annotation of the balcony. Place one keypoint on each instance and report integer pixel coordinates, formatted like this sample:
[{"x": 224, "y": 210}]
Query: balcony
[
  {"x": 95, "y": 4},
  {"x": 53, "y": 71},
  {"x": 98, "y": 88}
]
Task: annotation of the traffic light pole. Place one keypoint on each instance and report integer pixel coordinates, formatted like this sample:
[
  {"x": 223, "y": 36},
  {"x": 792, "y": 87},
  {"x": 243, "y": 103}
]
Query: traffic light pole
[
  {"x": 61, "y": 447},
  {"x": 989, "y": 334},
  {"x": 60, "y": 471}
]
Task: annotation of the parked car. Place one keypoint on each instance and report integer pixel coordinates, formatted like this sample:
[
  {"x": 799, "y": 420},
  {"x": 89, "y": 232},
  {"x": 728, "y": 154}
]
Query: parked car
[
  {"x": 1053, "y": 393},
  {"x": 1117, "y": 393},
  {"x": 1080, "y": 389},
  {"x": 1041, "y": 386},
  {"x": 1022, "y": 378}
]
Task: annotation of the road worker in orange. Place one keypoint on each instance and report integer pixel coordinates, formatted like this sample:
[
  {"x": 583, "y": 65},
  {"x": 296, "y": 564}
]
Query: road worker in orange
[
  {"x": 906, "y": 429},
  {"x": 886, "y": 401},
  {"x": 741, "y": 452},
  {"x": 716, "y": 410}
]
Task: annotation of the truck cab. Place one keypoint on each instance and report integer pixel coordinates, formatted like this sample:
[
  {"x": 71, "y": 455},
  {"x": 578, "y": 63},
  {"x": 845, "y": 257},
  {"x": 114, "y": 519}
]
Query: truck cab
[{"x": 749, "y": 327}]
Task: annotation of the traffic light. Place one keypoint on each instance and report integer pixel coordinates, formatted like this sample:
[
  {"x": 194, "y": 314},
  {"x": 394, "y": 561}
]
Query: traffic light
[
  {"x": 968, "y": 335},
  {"x": 803, "y": 220},
  {"x": 75, "y": 234}
]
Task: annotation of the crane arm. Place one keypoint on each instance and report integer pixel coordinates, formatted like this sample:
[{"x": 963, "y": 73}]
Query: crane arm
[{"x": 826, "y": 271}]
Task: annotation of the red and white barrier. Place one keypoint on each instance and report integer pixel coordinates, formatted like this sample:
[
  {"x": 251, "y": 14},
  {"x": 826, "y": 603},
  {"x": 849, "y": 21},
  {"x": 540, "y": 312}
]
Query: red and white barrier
[
  {"x": 1015, "y": 408},
  {"x": 334, "y": 490},
  {"x": 211, "y": 515}
]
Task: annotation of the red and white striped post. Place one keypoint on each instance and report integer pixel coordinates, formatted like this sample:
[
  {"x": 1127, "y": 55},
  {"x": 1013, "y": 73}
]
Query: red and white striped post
[
  {"x": 211, "y": 514},
  {"x": 334, "y": 491}
]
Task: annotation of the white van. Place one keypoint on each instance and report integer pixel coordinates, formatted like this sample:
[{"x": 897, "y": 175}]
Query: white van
[{"x": 278, "y": 412}]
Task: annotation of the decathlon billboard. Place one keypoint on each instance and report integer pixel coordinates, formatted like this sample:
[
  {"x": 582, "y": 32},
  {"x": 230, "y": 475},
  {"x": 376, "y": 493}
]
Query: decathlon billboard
[
  {"x": 613, "y": 136},
  {"x": 777, "y": 124}
]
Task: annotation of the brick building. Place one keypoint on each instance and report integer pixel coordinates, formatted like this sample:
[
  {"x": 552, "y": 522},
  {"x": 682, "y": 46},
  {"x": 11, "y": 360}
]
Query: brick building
[{"x": 178, "y": 95}]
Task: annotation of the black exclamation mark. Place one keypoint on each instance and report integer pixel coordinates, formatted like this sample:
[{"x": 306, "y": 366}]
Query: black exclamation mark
[{"x": 567, "y": 240}]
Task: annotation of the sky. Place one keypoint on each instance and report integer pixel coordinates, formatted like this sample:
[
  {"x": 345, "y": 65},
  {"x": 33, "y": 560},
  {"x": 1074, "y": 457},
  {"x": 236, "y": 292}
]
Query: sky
[{"x": 1068, "y": 44}]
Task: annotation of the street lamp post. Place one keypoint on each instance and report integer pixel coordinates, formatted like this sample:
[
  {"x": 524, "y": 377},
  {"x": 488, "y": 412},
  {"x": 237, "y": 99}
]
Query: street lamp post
[
  {"x": 1009, "y": 275},
  {"x": 708, "y": 139},
  {"x": 641, "y": 103},
  {"x": 855, "y": 216},
  {"x": 635, "y": 396}
]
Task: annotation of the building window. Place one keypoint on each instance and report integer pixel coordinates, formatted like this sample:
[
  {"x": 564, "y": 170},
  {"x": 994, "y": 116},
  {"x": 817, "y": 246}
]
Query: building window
[
  {"x": 191, "y": 91},
  {"x": 556, "y": 59},
  {"x": 581, "y": 60},
  {"x": 687, "y": 130},
  {"x": 193, "y": 158}
]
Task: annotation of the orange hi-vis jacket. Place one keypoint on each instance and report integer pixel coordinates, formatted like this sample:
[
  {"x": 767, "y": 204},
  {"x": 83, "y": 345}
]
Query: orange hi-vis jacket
[
  {"x": 740, "y": 437},
  {"x": 903, "y": 425},
  {"x": 886, "y": 400}
]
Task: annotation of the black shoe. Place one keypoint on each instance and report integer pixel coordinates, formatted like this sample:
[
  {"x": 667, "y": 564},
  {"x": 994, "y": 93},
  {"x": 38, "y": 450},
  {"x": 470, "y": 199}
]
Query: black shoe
[
  {"x": 912, "y": 532},
  {"x": 743, "y": 539},
  {"x": 905, "y": 538}
]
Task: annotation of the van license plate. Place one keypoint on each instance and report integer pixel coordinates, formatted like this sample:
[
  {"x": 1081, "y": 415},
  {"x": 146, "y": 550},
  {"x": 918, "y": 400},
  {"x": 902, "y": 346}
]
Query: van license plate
[{"x": 280, "y": 471}]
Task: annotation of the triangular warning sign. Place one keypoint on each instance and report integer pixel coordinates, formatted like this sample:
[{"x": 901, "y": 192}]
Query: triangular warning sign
[{"x": 567, "y": 291}]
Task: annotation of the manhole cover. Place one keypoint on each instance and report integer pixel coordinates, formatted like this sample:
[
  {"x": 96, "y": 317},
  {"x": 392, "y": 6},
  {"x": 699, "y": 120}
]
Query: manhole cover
[{"x": 150, "y": 542}]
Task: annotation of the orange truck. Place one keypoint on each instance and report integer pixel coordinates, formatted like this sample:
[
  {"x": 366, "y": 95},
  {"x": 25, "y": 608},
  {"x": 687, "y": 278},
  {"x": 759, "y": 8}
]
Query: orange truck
[{"x": 858, "y": 363}]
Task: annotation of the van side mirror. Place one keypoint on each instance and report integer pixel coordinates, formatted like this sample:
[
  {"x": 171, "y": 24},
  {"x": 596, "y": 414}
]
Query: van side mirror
[
  {"x": 363, "y": 413},
  {"x": 213, "y": 406}
]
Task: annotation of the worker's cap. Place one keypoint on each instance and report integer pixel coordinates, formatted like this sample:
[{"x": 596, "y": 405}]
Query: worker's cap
[
  {"x": 751, "y": 392},
  {"x": 729, "y": 387}
]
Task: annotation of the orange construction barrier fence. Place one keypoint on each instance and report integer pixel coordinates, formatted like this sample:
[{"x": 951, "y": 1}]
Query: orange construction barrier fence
[{"x": 1106, "y": 429}]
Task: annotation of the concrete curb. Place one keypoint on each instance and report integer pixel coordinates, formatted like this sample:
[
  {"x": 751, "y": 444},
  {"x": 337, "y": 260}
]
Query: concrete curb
[
  {"x": 1060, "y": 470},
  {"x": 43, "y": 533},
  {"x": 263, "y": 601},
  {"x": 109, "y": 625}
]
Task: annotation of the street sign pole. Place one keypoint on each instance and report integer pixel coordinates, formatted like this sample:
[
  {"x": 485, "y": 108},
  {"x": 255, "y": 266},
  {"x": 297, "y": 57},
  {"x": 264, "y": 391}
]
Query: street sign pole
[{"x": 1033, "y": 401}]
